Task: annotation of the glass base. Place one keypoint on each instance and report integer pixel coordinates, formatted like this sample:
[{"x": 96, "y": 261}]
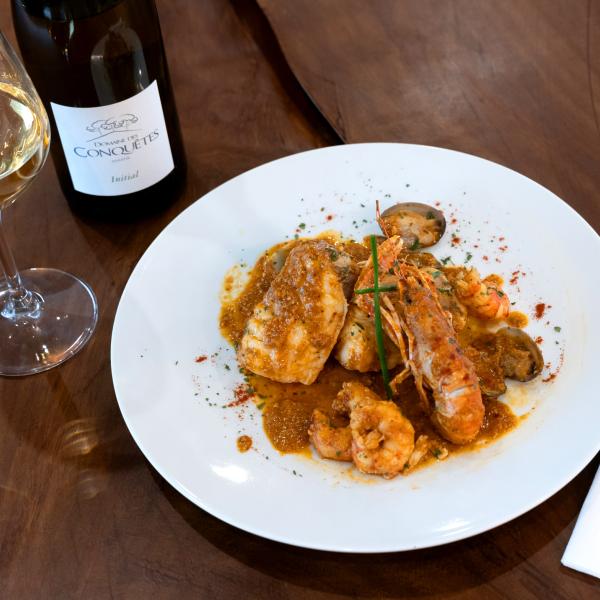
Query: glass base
[{"x": 62, "y": 323}]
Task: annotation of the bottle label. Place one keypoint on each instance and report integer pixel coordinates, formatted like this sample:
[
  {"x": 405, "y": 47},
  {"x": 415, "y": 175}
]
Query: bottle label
[{"x": 118, "y": 148}]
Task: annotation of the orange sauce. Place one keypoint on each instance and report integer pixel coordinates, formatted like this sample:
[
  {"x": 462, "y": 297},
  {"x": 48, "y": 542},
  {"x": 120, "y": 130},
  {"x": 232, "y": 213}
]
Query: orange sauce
[
  {"x": 287, "y": 407},
  {"x": 244, "y": 443},
  {"x": 517, "y": 319}
]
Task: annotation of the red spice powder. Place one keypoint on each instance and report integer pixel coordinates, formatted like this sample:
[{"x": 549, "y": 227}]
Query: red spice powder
[
  {"x": 503, "y": 248},
  {"x": 561, "y": 361},
  {"x": 438, "y": 204},
  {"x": 485, "y": 258},
  {"x": 501, "y": 238},
  {"x": 454, "y": 221},
  {"x": 539, "y": 310},
  {"x": 539, "y": 339},
  {"x": 200, "y": 358},
  {"x": 455, "y": 240},
  {"x": 242, "y": 393},
  {"x": 329, "y": 217}
]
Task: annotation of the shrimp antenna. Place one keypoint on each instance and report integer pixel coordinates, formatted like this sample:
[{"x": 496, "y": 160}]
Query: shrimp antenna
[{"x": 380, "y": 220}]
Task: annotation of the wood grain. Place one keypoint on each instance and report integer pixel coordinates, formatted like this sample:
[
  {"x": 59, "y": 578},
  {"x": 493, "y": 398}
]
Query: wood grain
[{"x": 82, "y": 514}]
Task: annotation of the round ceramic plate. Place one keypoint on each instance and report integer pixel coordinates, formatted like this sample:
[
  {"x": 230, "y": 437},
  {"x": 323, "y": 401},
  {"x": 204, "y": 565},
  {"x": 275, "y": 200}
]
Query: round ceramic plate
[{"x": 183, "y": 413}]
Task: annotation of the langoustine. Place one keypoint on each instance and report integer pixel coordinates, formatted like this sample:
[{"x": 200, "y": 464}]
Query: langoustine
[{"x": 414, "y": 319}]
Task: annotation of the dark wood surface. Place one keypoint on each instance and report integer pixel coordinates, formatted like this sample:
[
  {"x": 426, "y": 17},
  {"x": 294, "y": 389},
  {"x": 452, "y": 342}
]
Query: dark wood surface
[{"x": 82, "y": 513}]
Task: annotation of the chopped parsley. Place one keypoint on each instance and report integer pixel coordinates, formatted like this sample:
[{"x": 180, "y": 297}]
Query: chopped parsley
[
  {"x": 468, "y": 257},
  {"x": 557, "y": 329},
  {"x": 415, "y": 245},
  {"x": 446, "y": 260},
  {"x": 302, "y": 225}
]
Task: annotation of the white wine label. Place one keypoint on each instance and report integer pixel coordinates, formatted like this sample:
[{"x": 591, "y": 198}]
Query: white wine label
[{"x": 118, "y": 148}]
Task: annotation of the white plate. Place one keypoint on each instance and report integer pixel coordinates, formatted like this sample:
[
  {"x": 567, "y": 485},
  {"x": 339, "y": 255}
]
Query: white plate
[{"x": 169, "y": 311}]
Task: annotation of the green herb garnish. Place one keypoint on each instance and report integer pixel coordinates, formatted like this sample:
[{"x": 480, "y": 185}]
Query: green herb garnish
[
  {"x": 430, "y": 215},
  {"x": 469, "y": 257},
  {"x": 415, "y": 245},
  {"x": 371, "y": 290},
  {"x": 446, "y": 260},
  {"x": 378, "y": 327},
  {"x": 557, "y": 329},
  {"x": 302, "y": 225}
]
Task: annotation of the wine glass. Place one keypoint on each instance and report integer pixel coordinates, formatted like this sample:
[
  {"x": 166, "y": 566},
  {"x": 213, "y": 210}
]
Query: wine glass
[{"x": 46, "y": 315}]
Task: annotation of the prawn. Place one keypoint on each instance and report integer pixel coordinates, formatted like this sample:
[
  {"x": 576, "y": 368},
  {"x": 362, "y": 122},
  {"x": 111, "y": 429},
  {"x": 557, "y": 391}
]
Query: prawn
[
  {"x": 330, "y": 442},
  {"x": 415, "y": 320},
  {"x": 484, "y": 298},
  {"x": 382, "y": 437}
]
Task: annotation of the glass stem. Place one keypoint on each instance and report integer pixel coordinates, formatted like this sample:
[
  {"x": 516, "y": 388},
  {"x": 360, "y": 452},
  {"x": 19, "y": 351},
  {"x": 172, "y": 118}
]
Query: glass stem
[{"x": 17, "y": 301}]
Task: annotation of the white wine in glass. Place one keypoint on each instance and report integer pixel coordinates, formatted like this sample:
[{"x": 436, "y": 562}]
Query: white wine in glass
[{"x": 46, "y": 315}]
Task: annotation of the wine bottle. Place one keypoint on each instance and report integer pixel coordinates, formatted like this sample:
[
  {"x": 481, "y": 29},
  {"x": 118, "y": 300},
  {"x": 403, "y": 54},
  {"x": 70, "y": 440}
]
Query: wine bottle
[{"x": 101, "y": 71}]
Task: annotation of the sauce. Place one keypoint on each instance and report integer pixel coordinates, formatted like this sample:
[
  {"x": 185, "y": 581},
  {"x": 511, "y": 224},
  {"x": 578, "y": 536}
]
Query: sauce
[
  {"x": 287, "y": 407},
  {"x": 244, "y": 443},
  {"x": 517, "y": 319}
]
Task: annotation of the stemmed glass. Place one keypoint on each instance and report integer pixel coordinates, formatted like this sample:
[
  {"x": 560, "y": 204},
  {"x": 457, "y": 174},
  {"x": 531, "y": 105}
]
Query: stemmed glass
[{"x": 46, "y": 315}]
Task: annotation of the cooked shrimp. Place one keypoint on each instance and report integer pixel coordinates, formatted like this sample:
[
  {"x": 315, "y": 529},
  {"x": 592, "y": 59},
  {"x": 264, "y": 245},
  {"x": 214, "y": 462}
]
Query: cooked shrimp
[
  {"x": 415, "y": 320},
  {"x": 330, "y": 442},
  {"x": 382, "y": 437},
  {"x": 423, "y": 446},
  {"x": 483, "y": 298}
]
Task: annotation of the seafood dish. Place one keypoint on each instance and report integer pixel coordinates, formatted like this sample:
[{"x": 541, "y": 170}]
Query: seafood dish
[{"x": 375, "y": 352}]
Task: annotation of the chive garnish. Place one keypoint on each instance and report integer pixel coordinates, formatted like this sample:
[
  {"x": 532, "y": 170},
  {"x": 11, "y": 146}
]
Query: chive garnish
[
  {"x": 371, "y": 290},
  {"x": 378, "y": 327}
]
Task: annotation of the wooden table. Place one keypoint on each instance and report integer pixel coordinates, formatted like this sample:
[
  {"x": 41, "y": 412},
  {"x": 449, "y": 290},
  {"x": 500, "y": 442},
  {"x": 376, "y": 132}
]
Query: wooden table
[{"x": 82, "y": 513}]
